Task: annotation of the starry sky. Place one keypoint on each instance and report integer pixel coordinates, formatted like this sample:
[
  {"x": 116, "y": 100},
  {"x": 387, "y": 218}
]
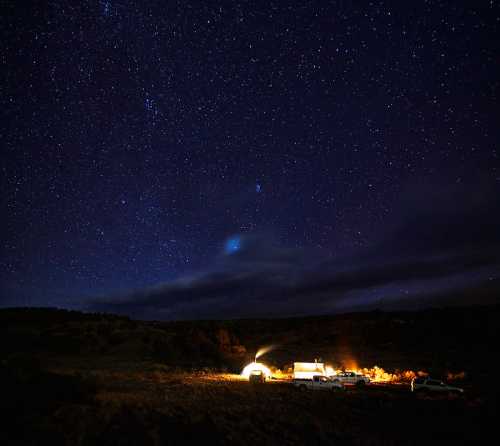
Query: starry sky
[{"x": 227, "y": 159}]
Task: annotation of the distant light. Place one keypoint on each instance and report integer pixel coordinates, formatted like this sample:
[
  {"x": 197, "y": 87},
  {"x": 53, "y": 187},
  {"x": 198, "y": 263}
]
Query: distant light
[
  {"x": 258, "y": 188},
  {"x": 232, "y": 245}
]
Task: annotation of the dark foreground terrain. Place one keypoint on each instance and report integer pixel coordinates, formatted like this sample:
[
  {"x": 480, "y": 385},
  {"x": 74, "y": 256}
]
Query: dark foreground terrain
[{"x": 81, "y": 379}]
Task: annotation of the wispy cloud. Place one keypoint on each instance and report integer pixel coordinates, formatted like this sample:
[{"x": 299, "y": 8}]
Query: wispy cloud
[{"x": 450, "y": 231}]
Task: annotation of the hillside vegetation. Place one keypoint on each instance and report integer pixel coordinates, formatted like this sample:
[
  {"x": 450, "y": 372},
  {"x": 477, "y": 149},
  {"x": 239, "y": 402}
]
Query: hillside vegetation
[{"x": 75, "y": 378}]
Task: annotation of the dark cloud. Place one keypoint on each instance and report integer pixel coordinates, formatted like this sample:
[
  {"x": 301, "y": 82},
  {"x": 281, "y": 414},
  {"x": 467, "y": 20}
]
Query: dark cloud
[
  {"x": 432, "y": 268},
  {"x": 444, "y": 232},
  {"x": 447, "y": 217}
]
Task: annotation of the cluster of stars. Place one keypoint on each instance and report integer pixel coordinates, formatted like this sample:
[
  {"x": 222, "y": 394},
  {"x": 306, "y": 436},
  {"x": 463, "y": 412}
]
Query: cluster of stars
[{"x": 135, "y": 132}]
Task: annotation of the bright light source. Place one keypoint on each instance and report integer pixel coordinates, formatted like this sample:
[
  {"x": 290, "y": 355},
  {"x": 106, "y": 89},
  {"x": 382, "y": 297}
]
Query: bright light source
[{"x": 256, "y": 366}]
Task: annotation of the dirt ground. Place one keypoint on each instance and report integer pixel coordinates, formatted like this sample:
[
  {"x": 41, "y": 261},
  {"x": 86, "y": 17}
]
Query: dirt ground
[{"x": 147, "y": 403}]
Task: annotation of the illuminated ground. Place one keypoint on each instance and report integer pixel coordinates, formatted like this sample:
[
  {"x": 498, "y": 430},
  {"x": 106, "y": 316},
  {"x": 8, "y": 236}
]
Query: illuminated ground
[{"x": 142, "y": 398}]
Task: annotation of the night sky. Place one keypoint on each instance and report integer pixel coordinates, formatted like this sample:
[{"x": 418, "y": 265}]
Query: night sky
[{"x": 227, "y": 159}]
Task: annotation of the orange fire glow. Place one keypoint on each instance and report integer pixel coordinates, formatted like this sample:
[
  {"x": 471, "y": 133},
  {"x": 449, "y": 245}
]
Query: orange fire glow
[{"x": 378, "y": 374}]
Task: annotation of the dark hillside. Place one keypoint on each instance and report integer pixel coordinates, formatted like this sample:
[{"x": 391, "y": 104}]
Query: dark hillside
[
  {"x": 73, "y": 378},
  {"x": 453, "y": 338}
]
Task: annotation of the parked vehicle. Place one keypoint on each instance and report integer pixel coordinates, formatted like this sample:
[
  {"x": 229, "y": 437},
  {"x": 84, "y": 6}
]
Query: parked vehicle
[
  {"x": 318, "y": 382},
  {"x": 257, "y": 377},
  {"x": 428, "y": 385},
  {"x": 351, "y": 378}
]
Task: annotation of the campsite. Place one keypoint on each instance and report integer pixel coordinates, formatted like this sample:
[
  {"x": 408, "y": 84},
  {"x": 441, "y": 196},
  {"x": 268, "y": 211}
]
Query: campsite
[{"x": 119, "y": 381}]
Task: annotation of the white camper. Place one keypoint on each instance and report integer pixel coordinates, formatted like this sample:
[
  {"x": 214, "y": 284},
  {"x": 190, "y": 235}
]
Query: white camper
[{"x": 306, "y": 370}]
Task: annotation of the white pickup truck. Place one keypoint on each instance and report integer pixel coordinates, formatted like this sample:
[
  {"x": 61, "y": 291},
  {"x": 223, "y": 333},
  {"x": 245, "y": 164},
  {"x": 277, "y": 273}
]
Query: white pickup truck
[
  {"x": 350, "y": 378},
  {"x": 426, "y": 384},
  {"x": 318, "y": 382}
]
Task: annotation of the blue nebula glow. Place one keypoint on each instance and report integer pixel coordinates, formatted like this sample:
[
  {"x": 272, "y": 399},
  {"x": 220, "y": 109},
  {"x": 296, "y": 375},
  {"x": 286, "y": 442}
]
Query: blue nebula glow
[
  {"x": 258, "y": 188},
  {"x": 232, "y": 245}
]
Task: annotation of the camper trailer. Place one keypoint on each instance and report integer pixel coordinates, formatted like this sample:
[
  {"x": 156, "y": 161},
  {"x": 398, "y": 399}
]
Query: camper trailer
[{"x": 306, "y": 370}]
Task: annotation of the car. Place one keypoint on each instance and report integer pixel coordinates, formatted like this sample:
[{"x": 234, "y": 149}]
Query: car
[
  {"x": 351, "y": 378},
  {"x": 430, "y": 385},
  {"x": 318, "y": 382}
]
